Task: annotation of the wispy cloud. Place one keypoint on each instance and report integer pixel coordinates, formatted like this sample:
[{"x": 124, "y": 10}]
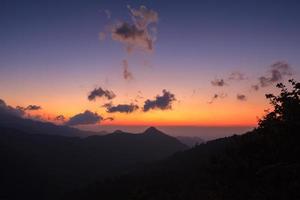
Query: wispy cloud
[
  {"x": 217, "y": 96},
  {"x": 218, "y": 82},
  {"x": 127, "y": 75},
  {"x": 279, "y": 70},
  {"x": 255, "y": 87},
  {"x": 237, "y": 76},
  {"x": 107, "y": 13}
]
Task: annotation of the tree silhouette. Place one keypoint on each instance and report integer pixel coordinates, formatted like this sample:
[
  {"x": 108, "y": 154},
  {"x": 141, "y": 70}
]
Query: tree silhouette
[{"x": 286, "y": 107}]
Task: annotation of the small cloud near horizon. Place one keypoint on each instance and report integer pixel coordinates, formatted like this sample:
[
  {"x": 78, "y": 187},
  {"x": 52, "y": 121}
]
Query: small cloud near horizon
[
  {"x": 163, "y": 102},
  {"x": 218, "y": 82},
  {"x": 84, "y": 118},
  {"x": 237, "y": 76},
  {"x": 122, "y": 108},
  {"x": 33, "y": 107},
  {"x": 60, "y": 118},
  {"x": 241, "y": 97},
  {"x": 217, "y": 96}
]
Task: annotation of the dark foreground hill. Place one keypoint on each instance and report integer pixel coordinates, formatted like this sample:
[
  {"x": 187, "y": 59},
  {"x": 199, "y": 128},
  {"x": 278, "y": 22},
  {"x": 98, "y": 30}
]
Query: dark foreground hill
[
  {"x": 41, "y": 166},
  {"x": 257, "y": 165},
  {"x": 260, "y": 165}
]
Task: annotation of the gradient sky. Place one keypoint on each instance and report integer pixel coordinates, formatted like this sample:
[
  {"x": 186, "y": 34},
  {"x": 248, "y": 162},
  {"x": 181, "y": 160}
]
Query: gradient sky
[{"x": 51, "y": 55}]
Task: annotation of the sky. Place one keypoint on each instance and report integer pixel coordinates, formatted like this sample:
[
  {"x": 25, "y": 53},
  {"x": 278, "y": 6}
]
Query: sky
[{"x": 104, "y": 63}]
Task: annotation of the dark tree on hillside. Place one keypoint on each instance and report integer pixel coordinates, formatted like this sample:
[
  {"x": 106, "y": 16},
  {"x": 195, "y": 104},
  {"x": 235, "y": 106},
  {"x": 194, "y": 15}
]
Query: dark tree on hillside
[{"x": 286, "y": 107}]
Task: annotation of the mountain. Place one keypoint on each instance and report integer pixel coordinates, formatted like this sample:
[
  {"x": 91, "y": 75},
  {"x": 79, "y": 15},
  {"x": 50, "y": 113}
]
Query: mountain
[
  {"x": 262, "y": 164},
  {"x": 259, "y": 165},
  {"x": 29, "y": 126},
  {"x": 44, "y": 166},
  {"x": 190, "y": 141}
]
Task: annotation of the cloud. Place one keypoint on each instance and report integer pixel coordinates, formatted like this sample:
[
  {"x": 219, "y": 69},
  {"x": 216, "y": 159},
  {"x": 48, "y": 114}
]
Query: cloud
[
  {"x": 29, "y": 108},
  {"x": 140, "y": 33},
  {"x": 127, "y": 75},
  {"x": 33, "y": 107},
  {"x": 241, "y": 97},
  {"x": 99, "y": 92},
  {"x": 218, "y": 82},
  {"x": 255, "y": 87},
  {"x": 163, "y": 102},
  {"x": 237, "y": 76},
  {"x": 142, "y": 17},
  {"x": 9, "y": 110},
  {"x": 85, "y": 118},
  {"x": 122, "y": 108},
  {"x": 278, "y": 71},
  {"x": 109, "y": 118},
  {"x": 217, "y": 96},
  {"x": 107, "y": 13},
  {"x": 60, "y": 118}
]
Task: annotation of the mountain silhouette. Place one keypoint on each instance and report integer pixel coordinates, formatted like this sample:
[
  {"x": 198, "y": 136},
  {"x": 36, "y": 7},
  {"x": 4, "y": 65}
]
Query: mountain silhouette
[
  {"x": 255, "y": 165},
  {"x": 40, "y": 163},
  {"x": 262, "y": 164},
  {"x": 190, "y": 141},
  {"x": 30, "y": 126}
]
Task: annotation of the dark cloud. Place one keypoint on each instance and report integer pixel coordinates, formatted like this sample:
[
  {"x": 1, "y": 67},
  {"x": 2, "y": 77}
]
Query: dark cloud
[
  {"x": 9, "y": 110},
  {"x": 127, "y": 75},
  {"x": 237, "y": 76},
  {"x": 122, "y": 108},
  {"x": 29, "y": 108},
  {"x": 99, "y": 92},
  {"x": 60, "y": 118},
  {"x": 163, "y": 102},
  {"x": 109, "y": 119},
  {"x": 241, "y": 97},
  {"x": 278, "y": 71},
  {"x": 33, "y": 107},
  {"x": 217, "y": 96},
  {"x": 140, "y": 33},
  {"x": 85, "y": 118},
  {"x": 218, "y": 82}
]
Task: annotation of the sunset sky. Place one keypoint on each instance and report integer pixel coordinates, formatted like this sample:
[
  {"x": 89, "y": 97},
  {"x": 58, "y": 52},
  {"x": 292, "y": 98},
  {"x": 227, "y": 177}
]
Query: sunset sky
[{"x": 214, "y": 60}]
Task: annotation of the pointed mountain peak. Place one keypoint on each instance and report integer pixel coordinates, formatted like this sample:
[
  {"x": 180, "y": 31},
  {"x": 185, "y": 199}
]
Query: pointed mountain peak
[{"x": 153, "y": 130}]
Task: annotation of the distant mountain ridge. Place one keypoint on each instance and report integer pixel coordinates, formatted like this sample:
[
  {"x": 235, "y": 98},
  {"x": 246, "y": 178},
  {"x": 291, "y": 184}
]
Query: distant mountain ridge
[
  {"x": 37, "y": 127},
  {"x": 42, "y": 160},
  {"x": 190, "y": 141},
  {"x": 255, "y": 165}
]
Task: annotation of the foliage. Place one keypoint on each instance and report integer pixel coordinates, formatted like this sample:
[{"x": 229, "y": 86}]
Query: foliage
[{"x": 286, "y": 107}]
